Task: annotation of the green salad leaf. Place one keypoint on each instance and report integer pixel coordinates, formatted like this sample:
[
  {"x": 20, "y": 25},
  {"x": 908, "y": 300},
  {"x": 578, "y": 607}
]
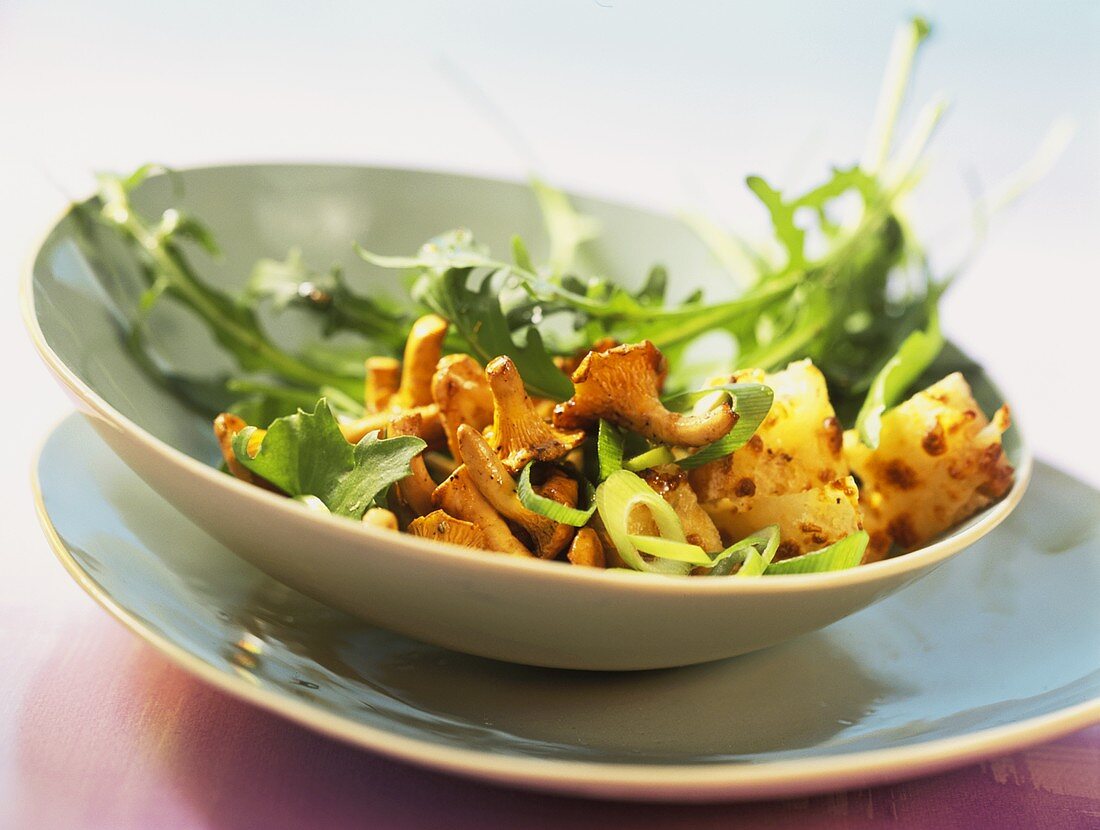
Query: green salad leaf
[
  {"x": 568, "y": 230},
  {"x": 520, "y": 255},
  {"x": 916, "y": 353},
  {"x": 306, "y": 454},
  {"x": 476, "y": 315},
  {"x": 164, "y": 265},
  {"x": 899, "y": 68},
  {"x": 292, "y": 283},
  {"x": 455, "y": 249}
]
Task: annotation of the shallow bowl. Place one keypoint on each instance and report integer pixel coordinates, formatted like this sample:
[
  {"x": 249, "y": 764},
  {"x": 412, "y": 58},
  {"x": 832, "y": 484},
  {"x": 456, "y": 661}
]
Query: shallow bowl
[{"x": 553, "y": 614}]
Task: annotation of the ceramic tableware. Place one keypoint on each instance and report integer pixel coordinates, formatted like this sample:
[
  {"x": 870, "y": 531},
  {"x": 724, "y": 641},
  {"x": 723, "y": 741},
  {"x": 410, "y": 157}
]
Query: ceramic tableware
[{"x": 523, "y": 611}]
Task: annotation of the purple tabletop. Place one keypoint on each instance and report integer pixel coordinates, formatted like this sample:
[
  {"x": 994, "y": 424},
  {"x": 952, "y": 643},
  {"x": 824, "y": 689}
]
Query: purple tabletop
[{"x": 102, "y": 731}]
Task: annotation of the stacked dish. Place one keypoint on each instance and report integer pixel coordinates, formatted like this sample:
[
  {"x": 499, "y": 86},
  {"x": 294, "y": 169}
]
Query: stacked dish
[{"x": 253, "y": 632}]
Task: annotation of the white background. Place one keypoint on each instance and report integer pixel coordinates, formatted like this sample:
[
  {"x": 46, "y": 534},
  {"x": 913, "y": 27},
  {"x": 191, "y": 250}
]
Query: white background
[{"x": 666, "y": 104}]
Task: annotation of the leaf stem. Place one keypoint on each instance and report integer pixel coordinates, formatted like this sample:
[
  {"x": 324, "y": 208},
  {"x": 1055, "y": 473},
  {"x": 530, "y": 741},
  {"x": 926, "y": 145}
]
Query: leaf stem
[
  {"x": 168, "y": 265},
  {"x": 899, "y": 69}
]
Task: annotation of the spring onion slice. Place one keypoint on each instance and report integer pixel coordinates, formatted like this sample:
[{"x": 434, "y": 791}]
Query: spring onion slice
[
  {"x": 729, "y": 560},
  {"x": 551, "y": 509},
  {"x": 754, "y": 553},
  {"x": 609, "y": 449},
  {"x": 616, "y": 498},
  {"x": 751, "y": 402},
  {"x": 763, "y": 543},
  {"x": 756, "y": 562},
  {"x": 652, "y": 458},
  {"x": 847, "y": 553},
  {"x": 667, "y": 549}
]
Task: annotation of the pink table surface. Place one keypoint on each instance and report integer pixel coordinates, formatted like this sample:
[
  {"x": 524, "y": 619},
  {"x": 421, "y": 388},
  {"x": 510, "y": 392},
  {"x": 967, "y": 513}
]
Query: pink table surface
[{"x": 101, "y": 731}]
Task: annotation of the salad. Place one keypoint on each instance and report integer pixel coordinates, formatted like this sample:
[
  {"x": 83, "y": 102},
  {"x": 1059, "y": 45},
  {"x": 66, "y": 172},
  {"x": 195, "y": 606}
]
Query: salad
[{"x": 545, "y": 409}]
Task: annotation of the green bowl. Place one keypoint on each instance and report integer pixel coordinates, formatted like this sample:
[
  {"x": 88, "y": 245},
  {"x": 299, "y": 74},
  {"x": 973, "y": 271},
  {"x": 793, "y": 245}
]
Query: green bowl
[{"x": 533, "y": 612}]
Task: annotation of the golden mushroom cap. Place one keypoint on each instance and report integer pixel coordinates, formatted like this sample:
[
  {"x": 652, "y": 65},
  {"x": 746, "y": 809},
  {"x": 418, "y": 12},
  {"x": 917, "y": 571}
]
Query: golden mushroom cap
[
  {"x": 442, "y": 527},
  {"x": 519, "y": 434},
  {"x": 623, "y": 385}
]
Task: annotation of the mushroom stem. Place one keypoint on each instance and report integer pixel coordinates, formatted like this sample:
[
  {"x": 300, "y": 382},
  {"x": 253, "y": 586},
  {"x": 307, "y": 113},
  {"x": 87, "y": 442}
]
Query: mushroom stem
[
  {"x": 423, "y": 349},
  {"x": 498, "y": 488},
  {"x": 354, "y": 431},
  {"x": 431, "y": 430},
  {"x": 460, "y": 497},
  {"x": 416, "y": 489},
  {"x": 383, "y": 381}
]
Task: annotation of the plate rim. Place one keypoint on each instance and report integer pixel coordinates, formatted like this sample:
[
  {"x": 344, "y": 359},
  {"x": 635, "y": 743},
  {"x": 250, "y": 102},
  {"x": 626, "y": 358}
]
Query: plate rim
[
  {"x": 927, "y": 557},
  {"x": 727, "y": 781}
]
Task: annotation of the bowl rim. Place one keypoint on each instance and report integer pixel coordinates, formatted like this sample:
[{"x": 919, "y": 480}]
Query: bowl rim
[
  {"x": 352, "y": 533},
  {"x": 721, "y": 781}
]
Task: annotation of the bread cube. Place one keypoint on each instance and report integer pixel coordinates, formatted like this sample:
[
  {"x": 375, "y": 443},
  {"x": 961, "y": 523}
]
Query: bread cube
[
  {"x": 939, "y": 461},
  {"x": 798, "y": 446},
  {"x": 808, "y": 521},
  {"x": 792, "y": 472}
]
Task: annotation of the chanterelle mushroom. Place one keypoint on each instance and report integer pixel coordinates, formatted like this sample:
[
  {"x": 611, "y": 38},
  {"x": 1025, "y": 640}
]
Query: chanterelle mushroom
[
  {"x": 519, "y": 434},
  {"x": 416, "y": 489},
  {"x": 461, "y": 391},
  {"x": 499, "y": 489},
  {"x": 587, "y": 549},
  {"x": 382, "y": 382},
  {"x": 460, "y": 497},
  {"x": 560, "y": 487},
  {"x": 623, "y": 385},
  {"x": 423, "y": 349},
  {"x": 441, "y": 527},
  {"x": 431, "y": 429}
]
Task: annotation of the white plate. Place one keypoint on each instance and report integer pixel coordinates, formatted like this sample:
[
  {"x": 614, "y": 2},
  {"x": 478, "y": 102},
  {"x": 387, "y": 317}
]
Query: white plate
[{"x": 998, "y": 649}]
